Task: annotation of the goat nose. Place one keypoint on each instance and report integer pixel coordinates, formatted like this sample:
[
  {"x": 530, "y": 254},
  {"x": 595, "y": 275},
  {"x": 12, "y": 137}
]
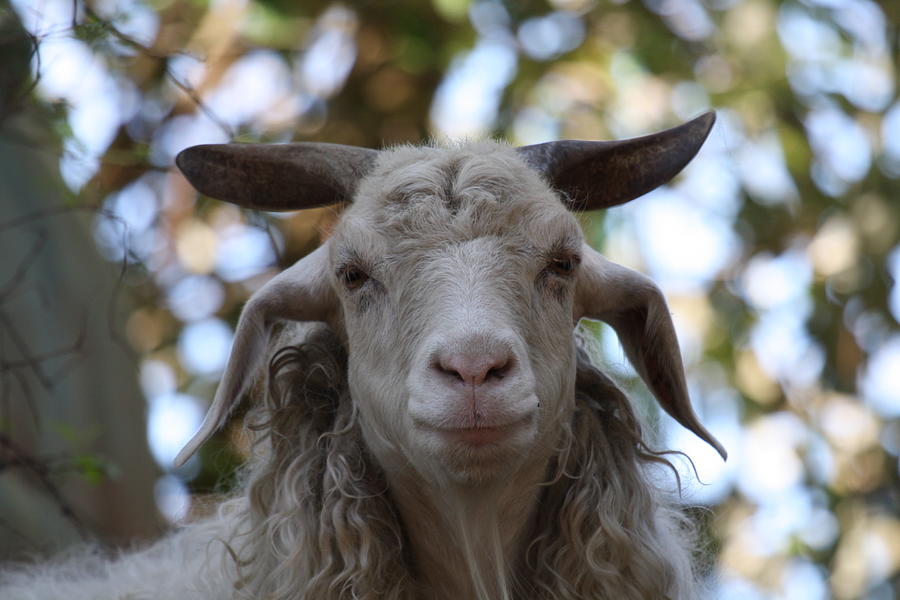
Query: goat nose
[{"x": 475, "y": 367}]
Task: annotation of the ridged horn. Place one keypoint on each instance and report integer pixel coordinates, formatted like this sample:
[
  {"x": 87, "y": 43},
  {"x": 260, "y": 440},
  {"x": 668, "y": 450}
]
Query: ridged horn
[
  {"x": 276, "y": 177},
  {"x": 593, "y": 175}
]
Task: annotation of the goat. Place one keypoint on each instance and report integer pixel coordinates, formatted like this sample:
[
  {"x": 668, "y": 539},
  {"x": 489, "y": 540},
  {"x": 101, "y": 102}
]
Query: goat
[{"x": 425, "y": 422}]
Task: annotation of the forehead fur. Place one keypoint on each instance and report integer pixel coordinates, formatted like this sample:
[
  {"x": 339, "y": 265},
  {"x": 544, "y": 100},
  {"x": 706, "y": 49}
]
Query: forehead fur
[{"x": 460, "y": 191}]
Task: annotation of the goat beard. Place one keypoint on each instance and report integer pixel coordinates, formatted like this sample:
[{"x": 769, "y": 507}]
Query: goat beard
[{"x": 320, "y": 521}]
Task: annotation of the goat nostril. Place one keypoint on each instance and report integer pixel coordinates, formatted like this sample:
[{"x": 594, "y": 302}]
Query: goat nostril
[
  {"x": 473, "y": 369},
  {"x": 447, "y": 370},
  {"x": 498, "y": 371}
]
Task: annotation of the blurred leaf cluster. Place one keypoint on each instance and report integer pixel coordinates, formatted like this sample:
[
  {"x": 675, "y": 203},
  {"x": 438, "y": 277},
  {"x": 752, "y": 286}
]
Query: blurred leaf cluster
[{"x": 789, "y": 312}]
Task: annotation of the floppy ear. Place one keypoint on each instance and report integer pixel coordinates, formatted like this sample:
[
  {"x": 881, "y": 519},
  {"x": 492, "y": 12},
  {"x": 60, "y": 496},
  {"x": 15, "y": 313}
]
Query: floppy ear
[
  {"x": 635, "y": 307},
  {"x": 300, "y": 293},
  {"x": 277, "y": 176},
  {"x": 594, "y": 175}
]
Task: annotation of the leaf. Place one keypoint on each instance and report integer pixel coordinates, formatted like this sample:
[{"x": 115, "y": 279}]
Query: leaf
[{"x": 92, "y": 468}]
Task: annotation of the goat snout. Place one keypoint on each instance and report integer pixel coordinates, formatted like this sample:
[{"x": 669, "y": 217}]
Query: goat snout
[
  {"x": 477, "y": 380},
  {"x": 474, "y": 388},
  {"x": 474, "y": 367}
]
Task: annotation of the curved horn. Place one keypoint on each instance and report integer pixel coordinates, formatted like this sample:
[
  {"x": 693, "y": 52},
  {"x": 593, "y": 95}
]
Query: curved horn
[
  {"x": 596, "y": 175},
  {"x": 636, "y": 309},
  {"x": 276, "y": 176},
  {"x": 300, "y": 293}
]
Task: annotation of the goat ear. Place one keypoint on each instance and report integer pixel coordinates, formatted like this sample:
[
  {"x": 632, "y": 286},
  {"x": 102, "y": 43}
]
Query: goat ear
[
  {"x": 594, "y": 175},
  {"x": 635, "y": 307},
  {"x": 276, "y": 176},
  {"x": 300, "y": 293}
]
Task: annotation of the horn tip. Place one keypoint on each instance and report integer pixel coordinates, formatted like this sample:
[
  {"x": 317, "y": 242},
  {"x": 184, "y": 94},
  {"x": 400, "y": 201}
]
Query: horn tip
[
  {"x": 189, "y": 159},
  {"x": 192, "y": 446},
  {"x": 183, "y": 456},
  {"x": 718, "y": 447},
  {"x": 705, "y": 122},
  {"x": 182, "y": 159}
]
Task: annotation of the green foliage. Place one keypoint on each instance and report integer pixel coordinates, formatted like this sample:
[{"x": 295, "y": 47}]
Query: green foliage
[
  {"x": 93, "y": 469},
  {"x": 640, "y": 66}
]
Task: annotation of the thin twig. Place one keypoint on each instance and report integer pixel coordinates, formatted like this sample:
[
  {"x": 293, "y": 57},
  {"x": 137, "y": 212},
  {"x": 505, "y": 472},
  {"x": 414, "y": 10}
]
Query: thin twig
[
  {"x": 73, "y": 348},
  {"x": 53, "y": 212},
  {"x": 23, "y": 267},
  {"x": 192, "y": 94},
  {"x": 29, "y": 399},
  {"x": 184, "y": 87},
  {"x": 20, "y": 458},
  {"x": 22, "y": 346}
]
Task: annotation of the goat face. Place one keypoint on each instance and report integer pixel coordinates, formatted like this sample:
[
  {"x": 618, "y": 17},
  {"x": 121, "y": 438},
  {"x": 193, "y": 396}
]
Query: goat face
[
  {"x": 456, "y": 275},
  {"x": 456, "y": 278}
]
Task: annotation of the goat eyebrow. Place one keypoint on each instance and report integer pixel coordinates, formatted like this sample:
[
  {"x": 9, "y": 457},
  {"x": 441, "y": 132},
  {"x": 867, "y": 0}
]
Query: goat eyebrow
[
  {"x": 347, "y": 256},
  {"x": 563, "y": 245}
]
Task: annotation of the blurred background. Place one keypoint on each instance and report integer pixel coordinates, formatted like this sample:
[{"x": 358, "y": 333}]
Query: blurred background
[{"x": 777, "y": 247}]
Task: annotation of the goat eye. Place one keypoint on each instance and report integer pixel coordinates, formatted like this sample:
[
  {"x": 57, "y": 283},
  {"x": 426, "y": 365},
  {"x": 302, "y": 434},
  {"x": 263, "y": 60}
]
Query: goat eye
[
  {"x": 354, "y": 277},
  {"x": 563, "y": 265}
]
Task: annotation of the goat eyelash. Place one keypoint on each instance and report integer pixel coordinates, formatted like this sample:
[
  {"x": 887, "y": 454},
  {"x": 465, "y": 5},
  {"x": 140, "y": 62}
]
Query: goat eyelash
[
  {"x": 563, "y": 265},
  {"x": 352, "y": 276}
]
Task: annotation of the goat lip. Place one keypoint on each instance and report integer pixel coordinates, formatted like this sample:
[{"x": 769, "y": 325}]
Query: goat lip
[
  {"x": 477, "y": 436},
  {"x": 482, "y": 436}
]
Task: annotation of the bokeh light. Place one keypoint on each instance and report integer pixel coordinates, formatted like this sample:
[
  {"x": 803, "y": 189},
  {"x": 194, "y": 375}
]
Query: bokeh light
[{"x": 778, "y": 247}]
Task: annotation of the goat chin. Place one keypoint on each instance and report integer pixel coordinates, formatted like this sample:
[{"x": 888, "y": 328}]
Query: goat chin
[{"x": 319, "y": 518}]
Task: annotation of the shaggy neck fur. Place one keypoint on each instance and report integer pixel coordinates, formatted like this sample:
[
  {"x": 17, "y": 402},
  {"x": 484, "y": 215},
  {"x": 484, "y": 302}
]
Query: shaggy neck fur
[
  {"x": 465, "y": 541},
  {"x": 323, "y": 521}
]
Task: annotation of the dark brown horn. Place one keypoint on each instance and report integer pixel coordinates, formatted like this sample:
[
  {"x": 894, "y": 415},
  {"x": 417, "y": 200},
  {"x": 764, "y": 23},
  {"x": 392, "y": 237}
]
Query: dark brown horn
[
  {"x": 594, "y": 175},
  {"x": 277, "y": 176}
]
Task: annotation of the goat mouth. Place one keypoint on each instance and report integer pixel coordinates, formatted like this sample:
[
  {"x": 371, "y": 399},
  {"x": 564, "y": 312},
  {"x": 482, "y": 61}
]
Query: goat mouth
[
  {"x": 477, "y": 436},
  {"x": 482, "y": 436}
]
